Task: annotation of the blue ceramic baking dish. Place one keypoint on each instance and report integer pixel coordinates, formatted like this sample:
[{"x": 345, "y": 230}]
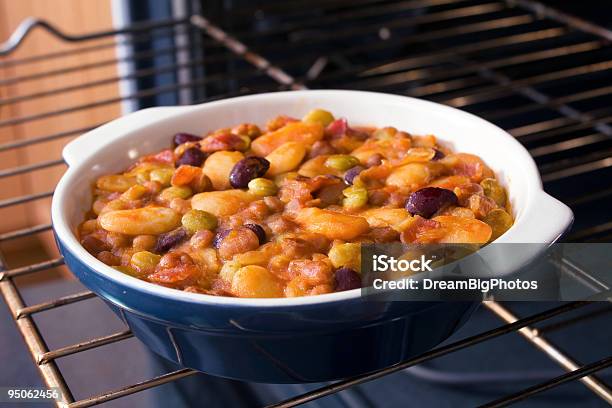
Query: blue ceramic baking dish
[{"x": 291, "y": 340}]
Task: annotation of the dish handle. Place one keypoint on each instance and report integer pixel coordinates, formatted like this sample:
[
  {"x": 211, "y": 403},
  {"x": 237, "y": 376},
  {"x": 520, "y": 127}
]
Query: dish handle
[
  {"x": 545, "y": 221},
  {"x": 85, "y": 145}
]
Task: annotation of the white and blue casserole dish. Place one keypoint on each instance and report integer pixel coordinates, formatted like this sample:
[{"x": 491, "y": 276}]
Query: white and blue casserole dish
[{"x": 288, "y": 340}]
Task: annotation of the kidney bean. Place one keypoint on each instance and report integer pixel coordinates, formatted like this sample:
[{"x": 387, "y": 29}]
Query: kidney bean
[
  {"x": 170, "y": 239},
  {"x": 219, "y": 236},
  {"x": 259, "y": 231},
  {"x": 351, "y": 173},
  {"x": 248, "y": 169},
  {"x": 347, "y": 279},
  {"x": 181, "y": 138},
  {"x": 192, "y": 157},
  {"x": 438, "y": 155},
  {"x": 429, "y": 200}
]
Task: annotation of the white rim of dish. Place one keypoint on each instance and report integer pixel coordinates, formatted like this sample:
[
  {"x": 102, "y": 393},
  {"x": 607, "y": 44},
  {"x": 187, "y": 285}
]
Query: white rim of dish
[{"x": 68, "y": 238}]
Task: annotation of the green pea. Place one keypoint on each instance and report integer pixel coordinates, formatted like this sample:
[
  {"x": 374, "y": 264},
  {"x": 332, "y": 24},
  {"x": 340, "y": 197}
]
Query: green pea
[
  {"x": 228, "y": 270},
  {"x": 197, "y": 220},
  {"x": 494, "y": 191},
  {"x": 144, "y": 260},
  {"x": 341, "y": 162},
  {"x": 128, "y": 270},
  {"x": 319, "y": 116},
  {"x": 499, "y": 221},
  {"x": 262, "y": 187},
  {"x": 175, "y": 192},
  {"x": 355, "y": 197},
  {"x": 348, "y": 254},
  {"x": 162, "y": 176}
]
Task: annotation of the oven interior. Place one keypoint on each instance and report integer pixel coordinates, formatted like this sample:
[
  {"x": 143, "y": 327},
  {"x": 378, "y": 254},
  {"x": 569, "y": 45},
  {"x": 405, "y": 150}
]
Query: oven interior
[{"x": 543, "y": 75}]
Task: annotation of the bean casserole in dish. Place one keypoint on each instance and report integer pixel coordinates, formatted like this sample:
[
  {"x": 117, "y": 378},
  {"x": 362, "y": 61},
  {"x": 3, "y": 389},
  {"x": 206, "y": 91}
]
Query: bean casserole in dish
[{"x": 281, "y": 211}]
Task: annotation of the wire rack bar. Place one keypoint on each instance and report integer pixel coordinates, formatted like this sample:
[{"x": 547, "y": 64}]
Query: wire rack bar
[
  {"x": 55, "y": 54},
  {"x": 30, "y": 167},
  {"x": 568, "y": 144},
  {"x": 543, "y": 126},
  {"x": 573, "y": 171},
  {"x": 37, "y": 267},
  {"x": 597, "y": 195},
  {"x": 552, "y": 351},
  {"x": 554, "y": 14},
  {"x": 579, "y": 373},
  {"x": 25, "y": 232},
  {"x": 132, "y": 39},
  {"x": 550, "y": 103},
  {"x": 137, "y": 56},
  {"x": 29, "y": 24},
  {"x": 83, "y": 346},
  {"x": 550, "y": 133},
  {"x": 550, "y": 327},
  {"x": 24, "y": 199},
  {"x": 46, "y": 138},
  {"x": 138, "y": 74},
  {"x": 583, "y": 164},
  {"x": 131, "y": 389},
  {"x": 240, "y": 49},
  {"x": 52, "y": 304},
  {"x": 590, "y": 231}
]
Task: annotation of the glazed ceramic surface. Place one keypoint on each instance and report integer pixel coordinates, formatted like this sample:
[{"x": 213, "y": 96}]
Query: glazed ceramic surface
[{"x": 304, "y": 339}]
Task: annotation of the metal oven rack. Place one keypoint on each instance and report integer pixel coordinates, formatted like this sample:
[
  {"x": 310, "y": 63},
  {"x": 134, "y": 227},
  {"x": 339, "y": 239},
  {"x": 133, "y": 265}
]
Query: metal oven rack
[{"x": 497, "y": 75}]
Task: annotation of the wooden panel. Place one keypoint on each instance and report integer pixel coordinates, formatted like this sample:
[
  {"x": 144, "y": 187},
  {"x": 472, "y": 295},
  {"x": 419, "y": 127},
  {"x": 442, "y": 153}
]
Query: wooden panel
[{"x": 74, "y": 17}]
